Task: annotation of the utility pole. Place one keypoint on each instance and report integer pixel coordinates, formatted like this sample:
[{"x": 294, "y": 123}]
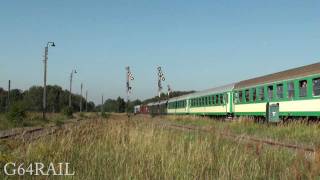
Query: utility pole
[
  {"x": 129, "y": 77},
  {"x": 168, "y": 96},
  {"x": 169, "y": 91},
  {"x": 102, "y": 104},
  {"x": 71, "y": 76},
  {"x": 8, "y": 98},
  {"x": 87, "y": 101},
  {"x": 44, "y": 104},
  {"x": 81, "y": 98},
  {"x": 160, "y": 79}
]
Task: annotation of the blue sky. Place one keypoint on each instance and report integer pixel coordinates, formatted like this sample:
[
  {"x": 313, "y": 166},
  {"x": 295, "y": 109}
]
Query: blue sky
[{"x": 199, "y": 44}]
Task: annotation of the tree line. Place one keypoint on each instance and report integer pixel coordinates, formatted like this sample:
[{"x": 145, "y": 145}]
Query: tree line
[{"x": 57, "y": 99}]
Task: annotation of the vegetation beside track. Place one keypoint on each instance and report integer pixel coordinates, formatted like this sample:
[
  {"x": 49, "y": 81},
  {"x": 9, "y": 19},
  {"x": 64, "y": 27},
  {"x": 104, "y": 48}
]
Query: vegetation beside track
[
  {"x": 35, "y": 119},
  {"x": 141, "y": 149},
  {"x": 296, "y": 132}
]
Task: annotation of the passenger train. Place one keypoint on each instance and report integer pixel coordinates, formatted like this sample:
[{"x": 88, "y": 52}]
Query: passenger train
[{"x": 296, "y": 92}]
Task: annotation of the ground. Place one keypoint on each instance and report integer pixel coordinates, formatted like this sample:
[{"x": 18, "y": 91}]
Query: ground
[{"x": 142, "y": 147}]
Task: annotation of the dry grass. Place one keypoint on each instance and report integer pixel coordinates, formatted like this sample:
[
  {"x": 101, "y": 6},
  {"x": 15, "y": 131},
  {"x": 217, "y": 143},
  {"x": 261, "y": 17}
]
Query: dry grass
[
  {"x": 140, "y": 149},
  {"x": 296, "y": 132}
]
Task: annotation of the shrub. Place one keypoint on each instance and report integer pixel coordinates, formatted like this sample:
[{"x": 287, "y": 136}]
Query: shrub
[
  {"x": 59, "y": 122},
  {"x": 105, "y": 115},
  {"x": 82, "y": 115},
  {"x": 67, "y": 111},
  {"x": 17, "y": 113}
]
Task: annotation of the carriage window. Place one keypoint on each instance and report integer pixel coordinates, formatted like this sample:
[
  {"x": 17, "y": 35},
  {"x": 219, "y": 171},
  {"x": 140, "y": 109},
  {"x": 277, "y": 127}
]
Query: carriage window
[
  {"x": 316, "y": 86},
  {"x": 280, "y": 91},
  {"x": 290, "y": 89},
  {"x": 226, "y": 98},
  {"x": 221, "y": 98},
  {"x": 217, "y": 99},
  {"x": 261, "y": 93},
  {"x": 247, "y": 95},
  {"x": 235, "y": 97},
  {"x": 303, "y": 88},
  {"x": 240, "y": 96},
  {"x": 254, "y": 94},
  {"x": 270, "y": 92},
  {"x": 212, "y": 97}
]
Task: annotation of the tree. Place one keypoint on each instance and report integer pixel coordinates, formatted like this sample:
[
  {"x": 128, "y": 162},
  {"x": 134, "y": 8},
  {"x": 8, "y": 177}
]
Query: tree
[
  {"x": 57, "y": 99},
  {"x": 33, "y": 98},
  {"x": 121, "y": 105}
]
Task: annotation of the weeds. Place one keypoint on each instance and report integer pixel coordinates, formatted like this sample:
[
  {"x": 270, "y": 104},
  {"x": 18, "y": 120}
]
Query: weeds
[
  {"x": 138, "y": 149},
  {"x": 299, "y": 132}
]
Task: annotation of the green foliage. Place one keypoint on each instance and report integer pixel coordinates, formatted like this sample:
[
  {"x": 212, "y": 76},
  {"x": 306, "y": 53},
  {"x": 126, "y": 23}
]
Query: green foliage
[
  {"x": 82, "y": 115},
  {"x": 56, "y": 99},
  {"x": 67, "y": 111},
  {"x": 58, "y": 122},
  {"x": 111, "y": 105},
  {"x": 164, "y": 96},
  {"x": 105, "y": 115},
  {"x": 17, "y": 112}
]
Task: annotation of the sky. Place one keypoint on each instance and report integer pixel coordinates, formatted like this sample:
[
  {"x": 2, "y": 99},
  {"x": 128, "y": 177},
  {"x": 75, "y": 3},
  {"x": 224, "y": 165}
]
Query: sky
[{"x": 198, "y": 44}]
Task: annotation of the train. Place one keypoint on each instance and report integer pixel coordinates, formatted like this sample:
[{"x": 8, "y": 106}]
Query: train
[{"x": 290, "y": 93}]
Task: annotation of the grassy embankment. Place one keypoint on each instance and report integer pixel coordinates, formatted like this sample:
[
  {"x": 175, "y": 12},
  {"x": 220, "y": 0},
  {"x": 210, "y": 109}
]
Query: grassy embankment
[
  {"x": 140, "y": 149},
  {"x": 35, "y": 119},
  {"x": 298, "y": 132}
]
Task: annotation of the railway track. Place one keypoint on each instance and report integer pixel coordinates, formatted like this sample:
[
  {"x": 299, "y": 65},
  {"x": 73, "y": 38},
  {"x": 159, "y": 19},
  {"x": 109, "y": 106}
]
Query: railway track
[
  {"x": 32, "y": 133},
  {"x": 248, "y": 138},
  {"x": 36, "y": 132}
]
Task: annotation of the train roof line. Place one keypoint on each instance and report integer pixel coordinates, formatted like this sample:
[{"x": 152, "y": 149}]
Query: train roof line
[{"x": 282, "y": 75}]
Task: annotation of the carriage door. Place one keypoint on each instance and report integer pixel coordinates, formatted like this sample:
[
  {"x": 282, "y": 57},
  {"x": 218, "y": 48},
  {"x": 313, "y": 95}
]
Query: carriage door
[{"x": 187, "y": 106}]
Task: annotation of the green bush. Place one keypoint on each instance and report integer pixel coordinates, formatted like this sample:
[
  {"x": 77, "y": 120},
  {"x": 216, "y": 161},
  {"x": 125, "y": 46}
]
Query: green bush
[
  {"x": 67, "y": 111},
  {"x": 105, "y": 115},
  {"x": 59, "y": 122},
  {"x": 82, "y": 115},
  {"x": 17, "y": 113}
]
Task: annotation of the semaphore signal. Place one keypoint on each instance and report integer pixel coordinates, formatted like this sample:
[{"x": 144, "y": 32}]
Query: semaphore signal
[{"x": 129, "y": 77}]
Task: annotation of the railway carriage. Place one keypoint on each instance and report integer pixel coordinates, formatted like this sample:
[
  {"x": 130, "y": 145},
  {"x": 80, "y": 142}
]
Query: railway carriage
[
  {"x": 158, "y": 107},
  {"x": 215, "y": 101},
  {"x": 179, "y": 105},
  {"x": 296, "y": 91}
]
